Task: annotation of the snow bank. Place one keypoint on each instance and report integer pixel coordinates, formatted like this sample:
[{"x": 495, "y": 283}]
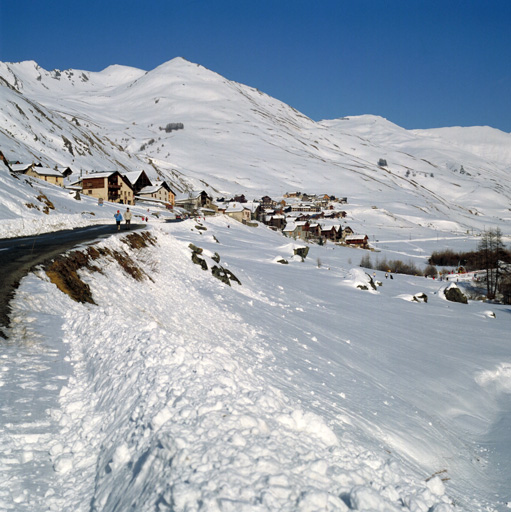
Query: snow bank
[
  {"x": 358, "y": 278},
  {"x": 499, "y": 378},
  {"x": 169, "y": 406},
  {"x": 292, "y": 391},
  {"x": 417, "y": 297}
]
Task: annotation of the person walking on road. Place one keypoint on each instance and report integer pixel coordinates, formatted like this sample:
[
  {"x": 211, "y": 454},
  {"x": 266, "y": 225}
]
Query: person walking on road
[
  {"x": 127, "y": 217},
  {"x": 118, "y": 219}
]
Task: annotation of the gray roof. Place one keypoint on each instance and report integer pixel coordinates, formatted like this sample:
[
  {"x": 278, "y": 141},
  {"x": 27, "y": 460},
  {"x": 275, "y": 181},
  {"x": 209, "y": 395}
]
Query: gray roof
[
  {"x": 151, "y": 189},
  {"x": 47, "y": 171},
  {"x": 20, "y": 167}
]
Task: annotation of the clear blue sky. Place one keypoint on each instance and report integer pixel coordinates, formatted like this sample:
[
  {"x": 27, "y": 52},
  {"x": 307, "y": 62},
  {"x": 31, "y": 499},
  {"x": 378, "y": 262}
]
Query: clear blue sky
[{"x": 420, "y": 64}]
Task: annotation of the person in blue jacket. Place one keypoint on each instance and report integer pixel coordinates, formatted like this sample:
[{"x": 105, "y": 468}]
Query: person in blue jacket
[{"x": 118, "y": 219}]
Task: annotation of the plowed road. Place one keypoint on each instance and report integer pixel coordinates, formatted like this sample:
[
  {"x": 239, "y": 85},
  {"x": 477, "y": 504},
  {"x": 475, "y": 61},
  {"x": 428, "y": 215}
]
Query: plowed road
[{"x": 19, "y": 255}]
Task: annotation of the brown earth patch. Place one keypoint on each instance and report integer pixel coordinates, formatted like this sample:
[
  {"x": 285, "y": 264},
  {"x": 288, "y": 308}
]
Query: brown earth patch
[
  {"x": 139, "y": 240},
  {"x": 48, "y": 205},
  {"x": 63, "y": 270}
]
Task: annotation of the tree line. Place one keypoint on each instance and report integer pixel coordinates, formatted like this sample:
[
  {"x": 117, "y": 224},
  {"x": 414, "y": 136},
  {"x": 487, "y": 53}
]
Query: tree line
[{"x": 491, "y": 256}]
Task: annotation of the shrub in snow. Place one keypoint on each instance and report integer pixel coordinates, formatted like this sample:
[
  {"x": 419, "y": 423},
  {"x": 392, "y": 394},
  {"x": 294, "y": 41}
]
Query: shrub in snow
[
  {"x": 431, "y": 270},
  {"x": 366, "y": 261},
  {"x": 395, "y": 266},
  {"x": 172, "y": 126}
]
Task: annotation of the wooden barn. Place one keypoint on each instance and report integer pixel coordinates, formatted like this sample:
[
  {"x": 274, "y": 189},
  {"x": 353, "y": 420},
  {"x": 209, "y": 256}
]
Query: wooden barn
[{"x": 357, "y": 240}]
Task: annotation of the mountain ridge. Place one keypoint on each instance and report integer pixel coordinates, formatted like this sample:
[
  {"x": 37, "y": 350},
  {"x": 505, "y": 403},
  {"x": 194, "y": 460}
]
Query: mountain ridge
[{"x": 237, "y": 139}]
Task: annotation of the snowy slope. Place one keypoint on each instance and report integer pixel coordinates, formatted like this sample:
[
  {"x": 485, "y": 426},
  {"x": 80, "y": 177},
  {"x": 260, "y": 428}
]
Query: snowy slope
[
  {"x": 292, "y": 391},
  {"x": 239, "y": 140},
  {"x": 25, "y": 199},
  {"x": 484, "y": 141}
]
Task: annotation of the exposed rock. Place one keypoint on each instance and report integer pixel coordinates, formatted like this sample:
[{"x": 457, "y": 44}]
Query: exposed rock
[
  {"x": 283, "y": 261},
  {"x": 302, "y": 252},
  {"x": 421, "y": 297},
  {"x": 48, "y": 205},
  {"x": 195, "y": 256},
  {"x": 225, "y": 275},
  {"x": 370, "y": 283},
  {"x": 199, "y": 261},
  {"x": 231, "y": 276},
  {"x": 220, "y": 273},
  {"x": 62, "y": 272},
  {"x": 195, "y": 249},
  {"x": 454, "y": 294}
]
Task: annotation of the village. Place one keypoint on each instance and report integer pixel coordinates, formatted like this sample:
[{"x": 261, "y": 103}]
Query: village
[{"x": 309, "y": 217}]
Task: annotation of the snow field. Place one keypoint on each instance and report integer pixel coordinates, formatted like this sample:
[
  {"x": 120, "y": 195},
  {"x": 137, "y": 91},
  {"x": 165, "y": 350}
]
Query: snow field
[
  {"x": 170, "y": 406},
  {"x": 279, "y": 148},
  {"x": 187, "y": 394},
  {"x": 201, "y": 427},
  {"x": 32, "y": 371}
]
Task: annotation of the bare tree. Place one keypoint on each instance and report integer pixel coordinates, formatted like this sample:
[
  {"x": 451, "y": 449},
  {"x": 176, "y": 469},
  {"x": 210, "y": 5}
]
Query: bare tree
[
  {"x": 491, "y": 248},
  {"x": 505, "y": 284}
]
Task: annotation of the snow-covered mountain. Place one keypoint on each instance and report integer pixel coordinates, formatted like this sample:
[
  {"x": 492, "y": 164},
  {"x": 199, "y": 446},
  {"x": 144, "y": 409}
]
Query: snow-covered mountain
[
  {"x": 237, "y": 139},
  {"x": 294, "y": 391}
]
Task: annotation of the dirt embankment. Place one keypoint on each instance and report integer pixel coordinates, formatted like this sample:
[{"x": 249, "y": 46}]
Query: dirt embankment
[{"x": 63, "y": 270}]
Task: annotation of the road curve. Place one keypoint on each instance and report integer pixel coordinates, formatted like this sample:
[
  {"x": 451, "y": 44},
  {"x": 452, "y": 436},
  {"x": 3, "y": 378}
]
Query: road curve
[{"x": 19, "y": 255}]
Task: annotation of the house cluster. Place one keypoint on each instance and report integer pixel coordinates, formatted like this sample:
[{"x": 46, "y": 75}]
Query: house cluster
[
  {"x": 113, "y": 186},
  {"x": 307, "y": 217},
  {"x": 125, "y": 188},
  {"x": 301, "y": 216},
  {"x": 55, "y": 176}
]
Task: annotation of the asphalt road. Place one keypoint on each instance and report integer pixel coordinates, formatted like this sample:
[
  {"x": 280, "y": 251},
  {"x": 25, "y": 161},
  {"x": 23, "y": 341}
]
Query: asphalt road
[{"x": 19, "y": 255}]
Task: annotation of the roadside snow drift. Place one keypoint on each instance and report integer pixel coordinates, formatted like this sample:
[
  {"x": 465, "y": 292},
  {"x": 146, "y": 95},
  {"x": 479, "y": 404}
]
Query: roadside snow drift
[{"x": 178, "y": 392}]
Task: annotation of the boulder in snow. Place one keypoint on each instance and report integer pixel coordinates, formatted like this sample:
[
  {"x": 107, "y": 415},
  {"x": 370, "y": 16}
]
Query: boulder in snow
[{"x": 454, "y": 294}]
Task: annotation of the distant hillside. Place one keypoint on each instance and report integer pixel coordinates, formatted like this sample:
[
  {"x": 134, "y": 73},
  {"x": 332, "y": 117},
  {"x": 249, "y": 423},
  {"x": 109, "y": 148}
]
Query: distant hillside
[
  {"x": 236, "y": 139},
  {"x": 486, "y": 142}
]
